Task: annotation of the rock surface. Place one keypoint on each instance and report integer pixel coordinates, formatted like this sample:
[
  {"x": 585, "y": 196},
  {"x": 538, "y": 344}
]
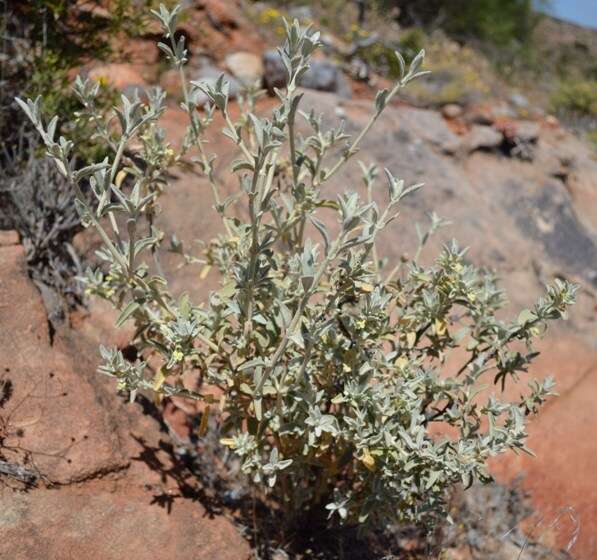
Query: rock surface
[
  {"x": 104, "y": 524},
  {"x": 220, "y": 27},
  {"x": 109, "y": 486},
  {"x": 561, "y": 478},
  {"x": 482, "y": 137},
  {"x": 9, "y": 238},
  {"x": 245, "y": 67},
  {"x": 124, "y": 77},
  {"x": 323, "y": 75},
  {"x": 46, "y": 391}
]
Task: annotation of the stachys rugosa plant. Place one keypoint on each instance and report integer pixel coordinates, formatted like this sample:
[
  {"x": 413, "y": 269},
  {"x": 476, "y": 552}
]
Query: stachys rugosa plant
[{"x": 332, "y": 369}]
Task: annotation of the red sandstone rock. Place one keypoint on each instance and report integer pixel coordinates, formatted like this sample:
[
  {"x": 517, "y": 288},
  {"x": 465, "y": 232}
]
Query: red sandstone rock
[
  {"x": 120, "y": 76},
  {"x": 222, "y": 13},
  {"x": 75, "y": 429},
  {"x": 47, "y": 392},
  {"x": 97, "y": 322},
  {"x": 564, "y": 439},
  {"x": 98, "y": 522},
  {"x": 8, "y": 238}
]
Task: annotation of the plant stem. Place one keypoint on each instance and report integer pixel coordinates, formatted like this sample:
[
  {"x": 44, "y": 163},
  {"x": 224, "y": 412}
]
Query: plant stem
[
  {"x": 299, "y": 312},
  {"x": 292, "y": 139},
  {"x": 393, "y": 273},
  {"x": 374, "y": 246},
  {"x": 239, "y": 140},
  {"x": 352, "y": 149},
  {"x": 207, "y": 167}
]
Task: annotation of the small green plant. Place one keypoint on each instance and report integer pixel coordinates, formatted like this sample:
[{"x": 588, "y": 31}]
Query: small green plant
[
  {"x": 500, "y": 23},
  {"x": 576, "y": 97},
  {"x": 459, "y": 74},
  {"x": 42, "y": 41},
  {"x": 336, "y": 393},
  {"x": 36, "y": 200}
]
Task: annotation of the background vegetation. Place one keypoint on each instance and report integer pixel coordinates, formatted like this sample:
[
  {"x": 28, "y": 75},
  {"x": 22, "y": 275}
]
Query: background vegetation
[
  {"x": 42, "y": 42},
  {"x": 478, "y": 51}
]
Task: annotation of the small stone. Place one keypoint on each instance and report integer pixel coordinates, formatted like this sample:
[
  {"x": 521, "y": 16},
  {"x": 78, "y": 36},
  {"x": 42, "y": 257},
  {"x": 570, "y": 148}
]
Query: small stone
[
  {"x": 246, "y": 67},
  {"x": 482, "y": 137},
  {"x": 123, "y": 77},
  {"x": 451, "y": 111},
  {"x": 527, "y": 131},
  {"x": 323, "y": 75}
]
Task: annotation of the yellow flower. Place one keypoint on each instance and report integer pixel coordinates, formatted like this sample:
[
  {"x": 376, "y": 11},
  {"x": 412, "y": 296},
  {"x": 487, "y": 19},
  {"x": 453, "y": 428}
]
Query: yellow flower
[
  {"x": 439, "y": 326},
  {"x": 177, "y": 355},
  {"x": 368, "y": 460},
  {"x": 401, "y": 362},
  {"x": 228, "y": 442}
]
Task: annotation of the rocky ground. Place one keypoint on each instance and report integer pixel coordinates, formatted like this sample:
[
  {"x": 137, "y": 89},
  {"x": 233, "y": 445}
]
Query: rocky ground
[
  {"x": 98, "y": 477},
  {"x": 101, "y": 477}
]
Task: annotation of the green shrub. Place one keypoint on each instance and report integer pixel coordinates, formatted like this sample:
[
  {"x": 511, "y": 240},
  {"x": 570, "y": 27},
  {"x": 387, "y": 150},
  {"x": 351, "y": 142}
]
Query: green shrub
[
  {"x": 412, "y": 40},
  {"x": 577, "y": 97},
  {"x": 42, "y": 41},
  {"x": 36, "y": 200},
  {"x": 50, "y": 37},
  {"x": 332, "y": 370},
  {"x": 459, "y": 74},
  {"x": 498, "y": 22}
]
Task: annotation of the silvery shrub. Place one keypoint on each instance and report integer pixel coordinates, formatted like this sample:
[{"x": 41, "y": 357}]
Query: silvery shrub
[{"x": 326, "y": 370}]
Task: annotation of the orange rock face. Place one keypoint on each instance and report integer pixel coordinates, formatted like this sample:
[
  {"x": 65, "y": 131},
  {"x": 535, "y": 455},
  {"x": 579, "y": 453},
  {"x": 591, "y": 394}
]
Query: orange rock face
[
  {"x": 120, "y": 76},
  {"x": 95, "y": 521},
  {"x": 109, "y": 487},
  {"x": 46, "y": 390},
  {"x": 561, "y": 477}
]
